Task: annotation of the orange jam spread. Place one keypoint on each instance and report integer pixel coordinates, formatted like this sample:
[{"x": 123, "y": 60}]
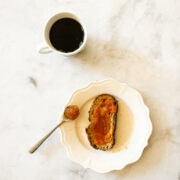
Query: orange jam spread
[
  {"x": 102, "y": 119},
  {"x": 71, "y": 112}
]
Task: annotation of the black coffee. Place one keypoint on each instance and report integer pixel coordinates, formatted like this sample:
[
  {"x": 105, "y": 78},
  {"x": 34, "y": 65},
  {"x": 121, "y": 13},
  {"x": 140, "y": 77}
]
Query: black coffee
[{"x": 66, "y": 35}]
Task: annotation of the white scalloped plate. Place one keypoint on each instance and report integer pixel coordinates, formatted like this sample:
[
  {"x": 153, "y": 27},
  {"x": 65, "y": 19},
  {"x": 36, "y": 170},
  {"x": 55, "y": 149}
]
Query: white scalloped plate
[{"x": 132, "y": 131}]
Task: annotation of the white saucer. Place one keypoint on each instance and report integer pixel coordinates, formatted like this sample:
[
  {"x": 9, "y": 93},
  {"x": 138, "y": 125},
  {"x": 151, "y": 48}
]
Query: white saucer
[{"x": 132, "y": 131}]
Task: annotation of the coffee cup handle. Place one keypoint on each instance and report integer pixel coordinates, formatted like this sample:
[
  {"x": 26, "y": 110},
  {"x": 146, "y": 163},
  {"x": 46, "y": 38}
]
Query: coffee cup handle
[{"x": 44, "y": 49}]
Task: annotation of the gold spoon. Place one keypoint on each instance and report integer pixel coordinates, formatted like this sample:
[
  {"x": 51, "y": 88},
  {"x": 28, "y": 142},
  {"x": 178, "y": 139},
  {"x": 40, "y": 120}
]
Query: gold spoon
[{"x": 70, "y": 113}]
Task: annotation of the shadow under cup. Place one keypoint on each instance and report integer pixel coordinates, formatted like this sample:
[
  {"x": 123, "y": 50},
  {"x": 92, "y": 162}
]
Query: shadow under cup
[{"x": 65, "y": 33}]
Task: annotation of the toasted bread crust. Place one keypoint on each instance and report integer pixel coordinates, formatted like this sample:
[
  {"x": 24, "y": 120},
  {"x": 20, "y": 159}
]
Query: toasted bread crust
[{"x": 113, "y": 119}]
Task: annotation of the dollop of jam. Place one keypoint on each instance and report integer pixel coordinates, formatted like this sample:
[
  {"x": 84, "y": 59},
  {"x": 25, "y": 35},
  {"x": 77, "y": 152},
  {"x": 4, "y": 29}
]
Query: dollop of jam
[
  {"x": 102, "y": 120},
  {"x": 71, "y": 112}
]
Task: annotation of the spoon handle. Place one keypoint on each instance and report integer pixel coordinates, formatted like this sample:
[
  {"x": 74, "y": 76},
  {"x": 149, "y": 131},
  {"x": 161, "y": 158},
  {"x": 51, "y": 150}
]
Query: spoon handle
[{"x": 36, "y": 146}]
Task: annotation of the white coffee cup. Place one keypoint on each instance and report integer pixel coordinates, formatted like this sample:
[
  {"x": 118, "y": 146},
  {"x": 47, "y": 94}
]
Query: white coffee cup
[{"x": 49, "y": 47}]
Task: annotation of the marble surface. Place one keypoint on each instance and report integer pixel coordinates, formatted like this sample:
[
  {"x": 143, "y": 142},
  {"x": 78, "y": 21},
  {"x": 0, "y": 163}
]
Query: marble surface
[{"x": 133, "y": 41}]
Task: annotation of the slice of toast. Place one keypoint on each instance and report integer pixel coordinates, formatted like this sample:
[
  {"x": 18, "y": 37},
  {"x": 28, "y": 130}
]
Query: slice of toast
[{"x": 103, "y": 116}]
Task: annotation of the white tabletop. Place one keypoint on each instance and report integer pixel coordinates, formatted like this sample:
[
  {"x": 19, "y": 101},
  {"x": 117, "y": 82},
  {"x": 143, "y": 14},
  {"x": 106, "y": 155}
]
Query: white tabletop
[{"x": 137, "y": 42}]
